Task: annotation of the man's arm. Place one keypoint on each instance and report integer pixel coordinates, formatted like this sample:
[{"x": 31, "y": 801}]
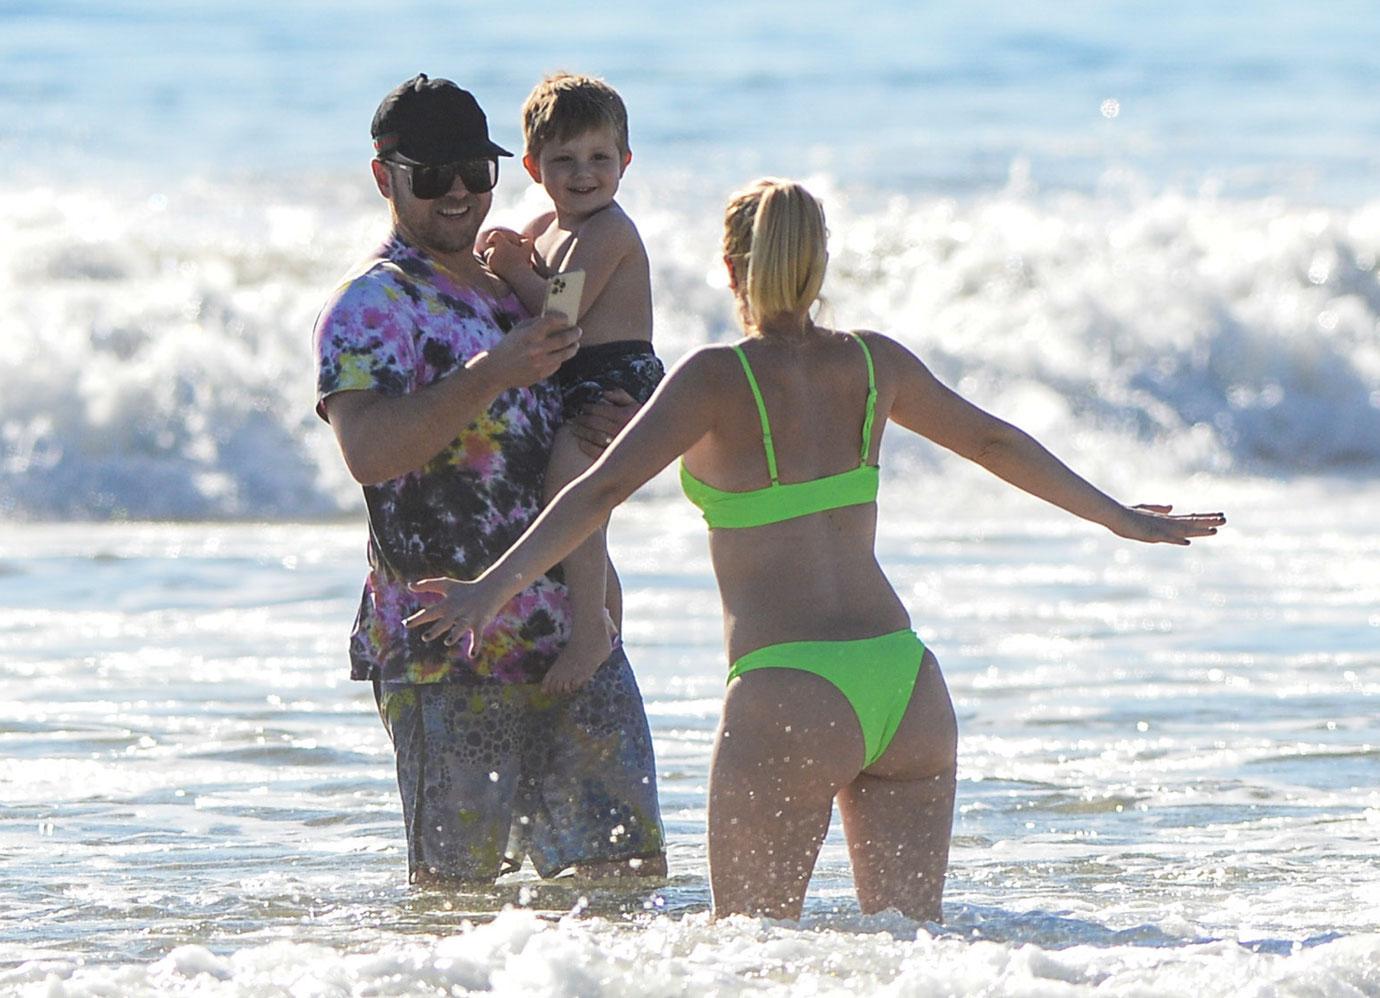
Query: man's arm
[{"x": 383, "y": 436}]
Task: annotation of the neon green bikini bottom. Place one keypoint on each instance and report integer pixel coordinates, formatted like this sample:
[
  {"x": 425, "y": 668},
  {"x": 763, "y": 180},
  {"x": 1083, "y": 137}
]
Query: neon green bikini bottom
[{"x": 875, "y": 675}]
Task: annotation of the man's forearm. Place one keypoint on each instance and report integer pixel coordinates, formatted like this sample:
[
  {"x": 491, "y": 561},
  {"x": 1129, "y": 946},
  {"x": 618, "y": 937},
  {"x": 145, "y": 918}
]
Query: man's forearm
[{"x": 383, "y": 437}]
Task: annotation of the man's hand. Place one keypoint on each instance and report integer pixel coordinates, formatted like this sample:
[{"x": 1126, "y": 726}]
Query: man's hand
[
  {"x": 600, "y": 422},
  {"x": 530, "y": 352}
]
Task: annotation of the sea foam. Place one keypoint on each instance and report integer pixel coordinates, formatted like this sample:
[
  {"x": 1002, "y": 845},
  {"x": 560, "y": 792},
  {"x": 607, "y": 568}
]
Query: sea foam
[
  {"x": 519, "y": 953},
  {"x": 158, "y": 360}
]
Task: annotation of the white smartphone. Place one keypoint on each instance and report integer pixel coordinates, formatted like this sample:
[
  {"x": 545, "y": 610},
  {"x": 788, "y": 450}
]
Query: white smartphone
[{"x": 563, "y": 293}]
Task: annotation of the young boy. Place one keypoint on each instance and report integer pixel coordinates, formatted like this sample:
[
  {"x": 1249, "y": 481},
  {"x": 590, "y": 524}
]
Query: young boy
[{"x": 576, "y": 133}]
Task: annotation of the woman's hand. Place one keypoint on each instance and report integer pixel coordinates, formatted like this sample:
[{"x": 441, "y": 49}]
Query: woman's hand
[
  {"x": 463, "y": 607},
  {"x": 1153, "y": 525}
]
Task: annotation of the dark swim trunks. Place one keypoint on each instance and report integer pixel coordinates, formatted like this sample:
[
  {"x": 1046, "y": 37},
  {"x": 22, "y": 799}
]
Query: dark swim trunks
[
  {"x": 627, "y": 364},
  {"x": 490, "y": 774}
]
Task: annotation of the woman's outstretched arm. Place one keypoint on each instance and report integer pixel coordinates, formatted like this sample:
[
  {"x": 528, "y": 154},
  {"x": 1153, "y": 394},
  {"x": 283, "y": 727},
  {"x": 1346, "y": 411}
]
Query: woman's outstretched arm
[
  {"x": 926, "y": 406},
  {"x": 678, "y": 414}
]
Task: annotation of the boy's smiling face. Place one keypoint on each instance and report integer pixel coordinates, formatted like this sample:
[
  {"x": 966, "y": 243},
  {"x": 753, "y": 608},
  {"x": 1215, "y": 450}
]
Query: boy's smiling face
[{"x": 580, "y": 173}]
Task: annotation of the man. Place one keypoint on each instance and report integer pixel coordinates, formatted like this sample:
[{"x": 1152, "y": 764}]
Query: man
[{"x": 434, "y": 380}]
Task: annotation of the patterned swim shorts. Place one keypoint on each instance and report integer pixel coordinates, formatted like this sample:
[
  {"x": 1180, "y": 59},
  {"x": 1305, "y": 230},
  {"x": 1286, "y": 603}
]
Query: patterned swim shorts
[
  {"x": 490, "y": 774},
  {"x": 626, "y": 364}
]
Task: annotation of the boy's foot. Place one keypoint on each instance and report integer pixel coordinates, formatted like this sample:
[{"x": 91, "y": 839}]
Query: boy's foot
[{"x": 575, "y": 666}]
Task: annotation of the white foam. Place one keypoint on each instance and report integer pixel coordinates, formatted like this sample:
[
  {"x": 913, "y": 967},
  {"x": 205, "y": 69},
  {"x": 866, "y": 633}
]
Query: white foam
[
  {"x": 158, "y": 359},
  {"x": 520, "y": 954}
]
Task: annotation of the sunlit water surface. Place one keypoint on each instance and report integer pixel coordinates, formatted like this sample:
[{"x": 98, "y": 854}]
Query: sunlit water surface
[
  {"x": 1168, "y": 768},
  {"x": 1151, "y": 237}
]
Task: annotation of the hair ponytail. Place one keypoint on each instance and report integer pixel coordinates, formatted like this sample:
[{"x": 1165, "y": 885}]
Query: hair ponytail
[{"x": 775, "y": 238}]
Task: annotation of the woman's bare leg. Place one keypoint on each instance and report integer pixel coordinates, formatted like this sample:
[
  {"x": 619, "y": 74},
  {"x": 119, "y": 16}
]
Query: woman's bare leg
[
  {"x": 898, "y": 813},
  {"x": 787, "y": 743}
]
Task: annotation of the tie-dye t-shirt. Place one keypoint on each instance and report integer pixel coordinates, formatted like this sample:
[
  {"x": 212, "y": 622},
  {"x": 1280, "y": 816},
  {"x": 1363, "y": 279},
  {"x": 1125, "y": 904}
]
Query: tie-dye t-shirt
[{"x": 400, "y": 325}]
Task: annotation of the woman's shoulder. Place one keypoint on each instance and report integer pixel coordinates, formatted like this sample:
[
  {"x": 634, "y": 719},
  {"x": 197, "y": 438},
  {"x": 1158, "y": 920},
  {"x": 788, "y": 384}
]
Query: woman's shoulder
[
  {"x": 716, "y": 353},
  {"x": 869, "y": 336},
  {"x": 880, "y": 345},
  {"x": 844, "y": 342},
  {"x": 709, "y": 361}
]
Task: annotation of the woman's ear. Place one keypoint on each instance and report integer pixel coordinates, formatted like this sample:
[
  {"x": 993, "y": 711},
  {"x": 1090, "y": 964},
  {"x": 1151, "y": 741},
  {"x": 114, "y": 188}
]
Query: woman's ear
[{"x": 732, "y": 274}]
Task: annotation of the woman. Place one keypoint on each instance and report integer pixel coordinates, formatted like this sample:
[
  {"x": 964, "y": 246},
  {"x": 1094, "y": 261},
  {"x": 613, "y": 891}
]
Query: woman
[{"x": 831, "y": 695}]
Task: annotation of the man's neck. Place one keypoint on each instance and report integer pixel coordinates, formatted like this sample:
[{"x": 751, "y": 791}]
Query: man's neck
[{"x": 462, "y": 265}]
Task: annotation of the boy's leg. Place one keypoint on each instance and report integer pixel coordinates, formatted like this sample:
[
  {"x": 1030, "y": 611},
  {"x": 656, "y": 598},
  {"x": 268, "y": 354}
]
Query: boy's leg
[
  {"x": 586, "y": 571},
  {"x": 590, "y": 782},
  {"x": 457, "y": 775}
]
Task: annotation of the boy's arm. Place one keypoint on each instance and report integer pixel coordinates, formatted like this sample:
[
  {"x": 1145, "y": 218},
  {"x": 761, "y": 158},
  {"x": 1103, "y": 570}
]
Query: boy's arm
[
  {"x": 510, "y": 255},
  {"x": 604, "y": 241},
  {"x": 531, "y": 231}
]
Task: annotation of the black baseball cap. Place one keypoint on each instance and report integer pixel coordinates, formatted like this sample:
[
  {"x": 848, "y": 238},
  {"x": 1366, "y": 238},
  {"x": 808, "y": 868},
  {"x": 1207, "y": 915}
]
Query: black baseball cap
[{"x": 432, "y": 122}]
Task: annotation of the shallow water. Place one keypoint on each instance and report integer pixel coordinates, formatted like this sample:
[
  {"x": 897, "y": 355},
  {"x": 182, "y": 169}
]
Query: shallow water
[
  {"x": 1168, "y": 768},
  {"x": 1154, "y": 241}
]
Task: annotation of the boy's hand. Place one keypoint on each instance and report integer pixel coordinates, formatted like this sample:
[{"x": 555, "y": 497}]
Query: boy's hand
[
  {"x": 507, "y": 253},
  {"x": 487, "y": 237},
  {"x": 600, "y": 422}
]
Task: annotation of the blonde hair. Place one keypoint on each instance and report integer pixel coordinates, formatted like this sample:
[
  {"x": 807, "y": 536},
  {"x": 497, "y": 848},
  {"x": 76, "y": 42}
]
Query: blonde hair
[
  {"x": 776, "y": 240},
  {"x": 565, "y": 105}
]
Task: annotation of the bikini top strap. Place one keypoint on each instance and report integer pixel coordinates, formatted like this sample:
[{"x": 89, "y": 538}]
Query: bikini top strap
[
  {"x": 761, "y": 411},
  {"x": 871, "y": 398}
]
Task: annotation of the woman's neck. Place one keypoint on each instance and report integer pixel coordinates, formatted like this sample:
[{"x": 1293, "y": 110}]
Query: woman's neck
[{"x": 787, "y": 327}]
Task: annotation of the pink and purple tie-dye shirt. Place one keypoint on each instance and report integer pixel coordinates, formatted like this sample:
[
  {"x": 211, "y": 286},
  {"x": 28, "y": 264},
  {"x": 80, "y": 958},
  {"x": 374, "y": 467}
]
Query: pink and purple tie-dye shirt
[{"x": 398, "y": 326}]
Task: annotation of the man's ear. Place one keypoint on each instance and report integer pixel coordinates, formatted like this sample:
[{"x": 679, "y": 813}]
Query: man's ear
[
  {"x": 627, "y": 158},
  {"x": 532, "y": 167},
  {"x": 383, "y": 180}
]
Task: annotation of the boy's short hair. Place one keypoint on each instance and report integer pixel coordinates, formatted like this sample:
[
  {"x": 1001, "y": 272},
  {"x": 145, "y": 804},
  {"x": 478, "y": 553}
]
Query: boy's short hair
[{"x": 564, "y": 105}]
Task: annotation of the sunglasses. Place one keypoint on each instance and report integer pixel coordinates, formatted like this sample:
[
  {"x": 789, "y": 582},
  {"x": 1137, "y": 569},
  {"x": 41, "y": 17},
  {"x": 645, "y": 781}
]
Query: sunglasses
[{"x": 430, "y": 182}]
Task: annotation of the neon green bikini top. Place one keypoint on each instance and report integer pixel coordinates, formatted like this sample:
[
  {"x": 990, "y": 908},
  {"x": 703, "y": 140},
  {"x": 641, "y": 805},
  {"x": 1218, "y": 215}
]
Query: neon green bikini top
[{"x": 777, "y": 502}]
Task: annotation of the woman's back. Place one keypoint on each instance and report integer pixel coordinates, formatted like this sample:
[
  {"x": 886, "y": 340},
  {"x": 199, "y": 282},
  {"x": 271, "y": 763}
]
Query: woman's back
[{"x": 810, "y": 577}]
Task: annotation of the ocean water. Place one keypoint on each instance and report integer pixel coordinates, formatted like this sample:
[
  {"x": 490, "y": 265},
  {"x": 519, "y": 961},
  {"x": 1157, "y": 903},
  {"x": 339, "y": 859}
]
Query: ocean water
[{"x": 1150, "y": 236}]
